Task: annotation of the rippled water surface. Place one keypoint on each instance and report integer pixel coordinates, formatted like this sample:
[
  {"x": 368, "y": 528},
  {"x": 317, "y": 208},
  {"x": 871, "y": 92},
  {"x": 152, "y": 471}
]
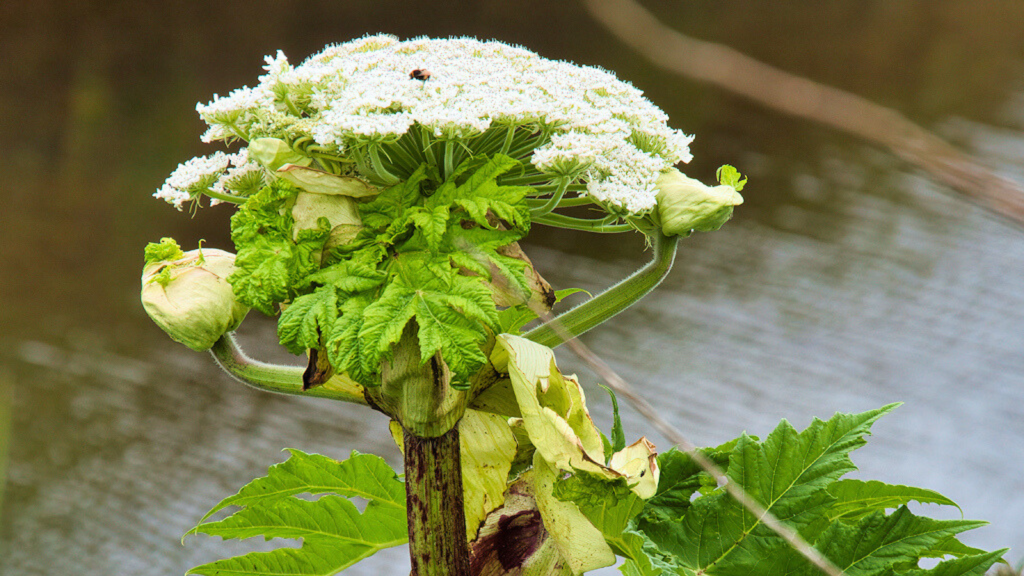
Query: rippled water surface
[{"x": 849, "y": 280}]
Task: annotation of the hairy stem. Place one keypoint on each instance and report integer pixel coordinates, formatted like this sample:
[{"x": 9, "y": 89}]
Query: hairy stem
[
  {"x": 420, "y": 397},
  {"x": 613, "y": 300},
  {"x": 433, "y": 497},
  {"x": 278, "y": 378}
]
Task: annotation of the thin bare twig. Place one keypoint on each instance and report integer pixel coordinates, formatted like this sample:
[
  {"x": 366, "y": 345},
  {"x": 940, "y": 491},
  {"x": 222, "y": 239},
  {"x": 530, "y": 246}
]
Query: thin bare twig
[{"x": 742, "y": 75}]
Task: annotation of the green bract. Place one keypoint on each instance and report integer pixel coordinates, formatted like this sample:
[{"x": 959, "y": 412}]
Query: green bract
[{"x": 187, "y": 294}]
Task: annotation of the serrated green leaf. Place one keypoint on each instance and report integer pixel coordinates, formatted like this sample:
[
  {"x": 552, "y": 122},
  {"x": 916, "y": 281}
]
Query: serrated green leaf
[
  {"x": 330, "y": 518},
  {"x": 875, "y": 543},
  {"x": 729, "y": 176},
  {"x": 308, "y": 320},
  {"x": 608, "y": 504},
  {"x": 974, "y": 565},
  {"x": 432, "y": 223},
  {"x": 166, "y": 249},
  {"x": 680, "y": 478},
  {"x": 334, "y": 533},
  {"x": 952, "y": 547},
  {"x": 392, "y": 203},
  {"x": 268, "y": 269},
  {"x": 314, "y": 559},
  {"x": 452, "y": 313},
  {"x": 362, "y": 475},
  {"x": 350, "y": 276},
  {"x": 643, "y": 558},
  {"x": 788, "y": 474},
  {"x": 263, "y": 214},
  {"x": 344, "y": 347},
  {"x": 858, "y": 498}
]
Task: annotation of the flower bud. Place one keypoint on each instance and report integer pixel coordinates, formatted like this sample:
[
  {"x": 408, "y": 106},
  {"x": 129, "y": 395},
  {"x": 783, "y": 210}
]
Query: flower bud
[
  {"x": 685, "y": 204},
  {"x": 189, "y": 297},
  {"x": 274, "y": 153}
]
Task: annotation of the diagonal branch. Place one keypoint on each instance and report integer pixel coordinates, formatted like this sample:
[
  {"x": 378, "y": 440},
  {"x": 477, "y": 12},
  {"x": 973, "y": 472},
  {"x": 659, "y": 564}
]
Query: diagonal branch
[{"x": 744, "y": 76}]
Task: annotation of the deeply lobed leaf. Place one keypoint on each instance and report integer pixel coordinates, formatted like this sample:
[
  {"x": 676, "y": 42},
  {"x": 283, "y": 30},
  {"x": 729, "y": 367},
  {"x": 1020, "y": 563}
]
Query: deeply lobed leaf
[{"x": 334, "y": 533}]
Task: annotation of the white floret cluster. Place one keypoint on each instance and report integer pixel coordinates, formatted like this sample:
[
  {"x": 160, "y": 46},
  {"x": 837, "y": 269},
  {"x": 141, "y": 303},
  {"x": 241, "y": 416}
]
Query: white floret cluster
[
  {"x": 601, "y": 131},
  {"x": 191, "y": 177},
  {"x": 222, "y": 173}
]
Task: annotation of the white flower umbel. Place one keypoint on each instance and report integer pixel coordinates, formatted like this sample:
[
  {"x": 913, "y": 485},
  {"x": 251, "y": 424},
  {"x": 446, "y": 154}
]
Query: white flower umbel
[
  {"x": 381, "y": 106},
  {"x": 192, "y": 178},
  {"x": 245, "y": 177}
]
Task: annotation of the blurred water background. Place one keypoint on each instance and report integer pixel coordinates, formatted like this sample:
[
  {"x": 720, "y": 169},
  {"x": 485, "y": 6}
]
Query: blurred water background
[{"x": 848, "y": 280}]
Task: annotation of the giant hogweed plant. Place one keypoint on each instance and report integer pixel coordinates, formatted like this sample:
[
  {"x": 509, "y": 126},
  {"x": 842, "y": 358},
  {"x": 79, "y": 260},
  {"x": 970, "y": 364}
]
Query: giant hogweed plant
[{"x": 381, "y": 188}]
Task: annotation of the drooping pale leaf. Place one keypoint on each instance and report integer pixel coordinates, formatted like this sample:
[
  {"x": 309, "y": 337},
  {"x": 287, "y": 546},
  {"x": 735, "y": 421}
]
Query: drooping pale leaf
[
  {"x": 334, "y": 533},
  {"x": 788, "y": 473},
  {"x": 581, "y": 544},
  {"x": 858, "y": 498},
  {"x": 513, "y": 539},
  {"x": 308, "y": 320},
  {"x": 488, "y": 448},
  {"x": 552, "y": 406},
  {"x": 325, "y": 183}
]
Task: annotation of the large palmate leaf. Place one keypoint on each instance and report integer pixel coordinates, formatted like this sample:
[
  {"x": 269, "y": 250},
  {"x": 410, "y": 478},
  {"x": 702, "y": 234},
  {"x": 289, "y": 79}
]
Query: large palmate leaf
[
  {"x": 788, "y": 473},
  {"x": 795, "y": 476},
  {"x": 877, "y": 545},
  {"x": 334, "y": 533}
]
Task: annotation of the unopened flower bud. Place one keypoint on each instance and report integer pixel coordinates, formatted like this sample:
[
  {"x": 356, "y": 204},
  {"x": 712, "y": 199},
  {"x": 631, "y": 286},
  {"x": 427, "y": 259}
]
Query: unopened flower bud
[
  {"x": 188, "y": 295},
  {"x": 685, "y": 204},
  {"x": 274, "y": 153}
]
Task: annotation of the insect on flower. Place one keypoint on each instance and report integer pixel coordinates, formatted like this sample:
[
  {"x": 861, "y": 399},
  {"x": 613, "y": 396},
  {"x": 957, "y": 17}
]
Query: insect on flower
[{"x": 420, "y": 74}]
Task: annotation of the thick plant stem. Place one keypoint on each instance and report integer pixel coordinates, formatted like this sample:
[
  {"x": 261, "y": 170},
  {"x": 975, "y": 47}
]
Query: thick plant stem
[
  {"x": 419, "y": 396},
  {"x": 437, "y": 520},
  {"x": 613, "y": 300}
]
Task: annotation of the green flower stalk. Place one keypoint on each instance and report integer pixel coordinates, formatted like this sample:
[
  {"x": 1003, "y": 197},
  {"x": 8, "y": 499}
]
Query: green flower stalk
[{"x": 187, "y": 293}]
